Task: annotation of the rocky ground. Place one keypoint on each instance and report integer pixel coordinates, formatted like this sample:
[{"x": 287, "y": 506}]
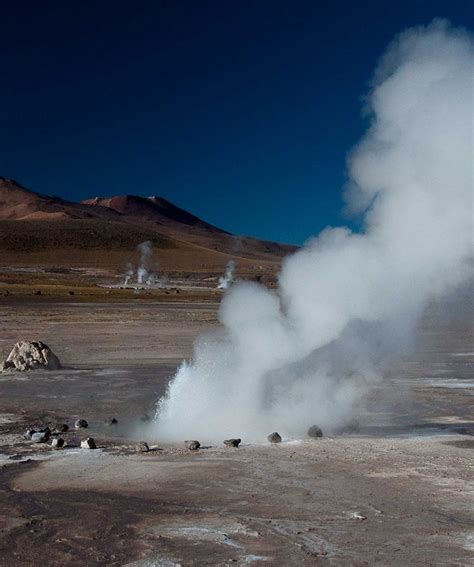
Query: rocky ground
[{"x": 399, "y": 492}]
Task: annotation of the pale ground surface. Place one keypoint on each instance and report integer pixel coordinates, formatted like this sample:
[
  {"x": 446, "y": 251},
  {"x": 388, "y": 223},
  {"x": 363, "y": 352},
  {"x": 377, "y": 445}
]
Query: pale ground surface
[{"x": 409, "y": 472}]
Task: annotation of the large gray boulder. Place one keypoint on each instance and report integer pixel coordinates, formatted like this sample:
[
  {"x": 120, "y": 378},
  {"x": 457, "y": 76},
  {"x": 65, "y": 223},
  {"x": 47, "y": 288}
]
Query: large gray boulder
[{"x": 28, "y": 355}]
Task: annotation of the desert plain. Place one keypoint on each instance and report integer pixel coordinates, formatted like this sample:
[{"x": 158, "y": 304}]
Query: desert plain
[{"x": 399, "y": 491}]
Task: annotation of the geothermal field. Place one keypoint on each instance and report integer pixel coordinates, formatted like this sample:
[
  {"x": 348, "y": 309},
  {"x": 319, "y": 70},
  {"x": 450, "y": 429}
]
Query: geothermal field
[{"x": 172, "y": 394}]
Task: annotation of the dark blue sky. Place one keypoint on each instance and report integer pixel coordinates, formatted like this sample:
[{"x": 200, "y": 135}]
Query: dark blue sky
[{"x": 241, "y": 112}]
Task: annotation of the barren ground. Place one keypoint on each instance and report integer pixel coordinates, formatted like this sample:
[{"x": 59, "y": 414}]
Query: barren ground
[{"x": 400, "y": 492}]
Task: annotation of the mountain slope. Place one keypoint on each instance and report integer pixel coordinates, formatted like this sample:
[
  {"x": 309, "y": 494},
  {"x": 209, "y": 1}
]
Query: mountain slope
[
  {"x": 19, "y": 203},
  {"x": 152, "y": 209},
  {"x": 38, "y": 229}
]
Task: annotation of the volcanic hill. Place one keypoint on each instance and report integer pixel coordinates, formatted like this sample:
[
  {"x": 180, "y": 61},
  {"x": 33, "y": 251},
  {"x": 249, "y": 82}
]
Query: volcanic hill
[{"x": 103, "y": 233}]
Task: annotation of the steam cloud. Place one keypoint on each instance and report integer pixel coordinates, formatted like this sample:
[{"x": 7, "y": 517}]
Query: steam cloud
[
  {"x": 145, "y": 249},
  {"x": 226, "y": 280},
  {"x": 348, "y": 302},
  {"x": 144, "y": 273}
]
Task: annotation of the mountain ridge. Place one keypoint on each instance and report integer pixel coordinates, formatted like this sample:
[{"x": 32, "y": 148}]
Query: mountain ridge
[{"x": 47, "y": 227}]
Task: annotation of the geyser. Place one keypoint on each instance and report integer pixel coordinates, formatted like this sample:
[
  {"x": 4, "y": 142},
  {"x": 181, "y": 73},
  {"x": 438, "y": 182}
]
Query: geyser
[{"x": 348, "y": 302}]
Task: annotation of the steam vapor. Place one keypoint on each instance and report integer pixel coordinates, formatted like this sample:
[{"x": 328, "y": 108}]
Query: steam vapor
[
  {"x": 145, "y": 249},
  {"x": 347, "y": 302},
  {"x": 226, "y": 280},
  {"x": 144, "y": 273}
]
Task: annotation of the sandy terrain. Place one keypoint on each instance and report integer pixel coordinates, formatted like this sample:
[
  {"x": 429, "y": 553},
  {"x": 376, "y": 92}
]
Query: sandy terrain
[{"x": 400, "y": 492}]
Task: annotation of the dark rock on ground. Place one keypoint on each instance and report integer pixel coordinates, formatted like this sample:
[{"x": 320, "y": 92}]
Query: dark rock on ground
[
  {"x": 40, "y": 437},
  {"x": 29, "y": 433},
  {"x": 192, "y": 445},
  {"x": 314, "y": 432},
  {"x": 143, "y": 447},
  {"x": 274, "y": 437},
  {"x": 232, "y": 442},
  {"x": 88, "y": 443}
]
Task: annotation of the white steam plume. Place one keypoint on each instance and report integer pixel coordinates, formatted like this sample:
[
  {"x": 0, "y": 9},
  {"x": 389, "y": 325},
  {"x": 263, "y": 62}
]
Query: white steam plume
[
  {"x": 143, "y": 274},
  {"x": 348, "y": 302},
  {"x": 128, "y": 274},
  {"x": 226, "y": 280}
]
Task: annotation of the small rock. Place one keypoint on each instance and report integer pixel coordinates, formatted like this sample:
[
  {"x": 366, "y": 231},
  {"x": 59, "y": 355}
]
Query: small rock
[
  {"x": 274, "y": 437},
  {"x": 58, "y": 443},
  {"x": 61, "y": 427},
  {"x": 357, "y": 516},
  {"x": 40, "y": 437},
  {"x": 29, "y": 433},
  {"x": 192, "y": 445},
  {"x": 314, "y": 432},
  {"x": 89, "y": 443},
  {"x": 232, "y": 442},
  {"x": 143, "y": 447},
  {"x": 81, "y": 424}
]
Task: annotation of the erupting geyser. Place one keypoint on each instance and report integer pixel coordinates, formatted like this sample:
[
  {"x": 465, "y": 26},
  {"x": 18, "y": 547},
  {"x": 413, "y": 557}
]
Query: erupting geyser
[{"x": 348, "y": 302}]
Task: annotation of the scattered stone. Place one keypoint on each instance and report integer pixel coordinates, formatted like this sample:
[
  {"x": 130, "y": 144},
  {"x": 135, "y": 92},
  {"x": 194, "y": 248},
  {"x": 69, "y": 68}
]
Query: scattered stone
[
  {"x": 61, "y": 427},
  {"x": 58, "y": 443},
  {"x": 232, "y": 442},
  {"x": 143, "y": 447},
  {"x": 29, "y": 433},
  {"x": 357, "y": 516},
  {"x": 81, "y": 424},
  {"x": 27, "y": 355},
  {"x": 40, "y": 437},
  {"x": 192, "y": 445},
  {"x": 274, "y": 437},
  {"x": 89, "y": 443},
  {"x": 314, "y": 432}
]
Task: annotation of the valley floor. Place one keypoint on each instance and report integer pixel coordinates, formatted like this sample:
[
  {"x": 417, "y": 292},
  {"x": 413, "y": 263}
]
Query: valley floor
[{"x": 399, "y": 492}]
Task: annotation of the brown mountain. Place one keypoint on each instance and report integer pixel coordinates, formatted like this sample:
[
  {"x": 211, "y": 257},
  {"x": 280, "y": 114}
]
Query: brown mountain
[
  {"x": 38, "y": 229},
  {"x": 156, "y": 210},
  {"x": 19, "y": 203}
]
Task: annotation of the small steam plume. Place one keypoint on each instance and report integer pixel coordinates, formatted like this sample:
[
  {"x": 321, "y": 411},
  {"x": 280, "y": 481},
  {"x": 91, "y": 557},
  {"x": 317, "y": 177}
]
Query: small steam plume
[
  {"x": 143, "y": 274},
  {"x": 347, "y": 302},
  {"x": 226, "y": 280},
  {"x": 128, "y": 274}
]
